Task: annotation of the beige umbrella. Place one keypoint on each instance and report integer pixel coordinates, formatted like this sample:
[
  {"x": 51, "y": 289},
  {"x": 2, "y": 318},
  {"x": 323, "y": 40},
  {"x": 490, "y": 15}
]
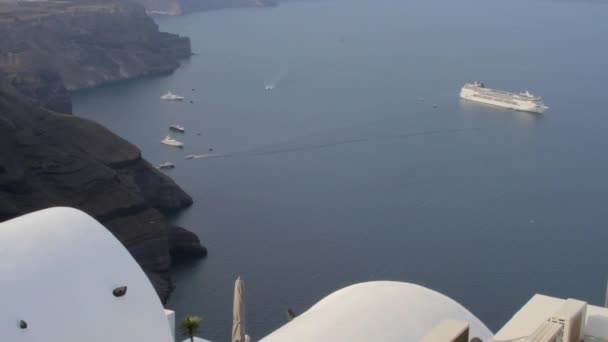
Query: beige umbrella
[{"x": 238, "y": 313}]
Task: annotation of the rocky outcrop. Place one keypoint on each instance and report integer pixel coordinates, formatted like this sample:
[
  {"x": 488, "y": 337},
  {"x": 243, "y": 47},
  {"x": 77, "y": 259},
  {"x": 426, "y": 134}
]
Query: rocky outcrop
[
  {"x": 185, "y": 243},
  {"x": 49, "y": 159},
  {"x": 82, "y": 44},
  {"x": 163, "y": 7},
  {"x": 175, "y": 7},
  {"x": 207, "y": 5},
  {"x": 45, "y": 87}
]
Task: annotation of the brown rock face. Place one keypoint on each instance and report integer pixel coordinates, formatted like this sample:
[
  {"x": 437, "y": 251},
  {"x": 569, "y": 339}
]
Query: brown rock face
[
  {"x": 176, "y": 7},
  {"x": 207, "y": 5},
  {"x": 70, "y": 45},
  {"x": 45, "y": 87},
  {"x": 49, "y": 159},
  {"x": 185, "y": 243}
]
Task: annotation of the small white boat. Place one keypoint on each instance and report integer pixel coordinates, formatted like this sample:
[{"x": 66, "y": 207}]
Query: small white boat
[
  {"x": 269, "y": 87},
  {"x": 172, "y": 142},
  {"x": 201, "y": 156},
  {"x": 165, "y": 166},
  {"x": 177, "y": 128},
  {"x": 169, "y": 96}
]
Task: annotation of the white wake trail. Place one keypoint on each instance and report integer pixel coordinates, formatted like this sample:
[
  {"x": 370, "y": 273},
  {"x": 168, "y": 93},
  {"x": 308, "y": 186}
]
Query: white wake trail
[{"x": 276, "y": 80}]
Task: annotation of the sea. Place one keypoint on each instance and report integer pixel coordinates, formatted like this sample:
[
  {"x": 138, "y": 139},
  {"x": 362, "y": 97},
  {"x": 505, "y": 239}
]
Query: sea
[{"x": 362, "y": 163}]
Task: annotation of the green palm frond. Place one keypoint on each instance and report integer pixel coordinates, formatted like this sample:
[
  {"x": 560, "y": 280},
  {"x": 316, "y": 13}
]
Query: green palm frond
[{"x": 190, "y": 325}]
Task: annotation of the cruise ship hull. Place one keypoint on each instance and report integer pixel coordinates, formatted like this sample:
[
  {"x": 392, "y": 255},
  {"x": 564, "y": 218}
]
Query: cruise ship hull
[{"x": 519, "y": 105}]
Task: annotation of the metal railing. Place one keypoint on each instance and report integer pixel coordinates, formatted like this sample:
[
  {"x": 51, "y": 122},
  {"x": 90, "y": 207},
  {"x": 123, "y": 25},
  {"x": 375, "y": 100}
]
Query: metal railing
[
  {"x": 589, "y": 338},
  {"x": 517, "y": 339},
  {"x": 586, "y": 338}
]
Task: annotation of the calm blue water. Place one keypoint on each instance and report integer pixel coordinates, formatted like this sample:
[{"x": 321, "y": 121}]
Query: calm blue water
[{"x": 341, "y": 174}]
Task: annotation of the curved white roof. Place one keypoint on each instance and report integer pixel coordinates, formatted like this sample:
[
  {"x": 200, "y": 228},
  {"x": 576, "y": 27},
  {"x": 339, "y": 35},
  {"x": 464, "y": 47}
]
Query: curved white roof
[
  {"x": 376, "y": 311},
  {"x": 58, "y": 268}
]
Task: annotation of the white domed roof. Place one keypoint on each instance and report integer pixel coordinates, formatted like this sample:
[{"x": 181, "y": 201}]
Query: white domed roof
[
  {"x": 376, "y": 311},
  {"x": 58, "y": 270}
]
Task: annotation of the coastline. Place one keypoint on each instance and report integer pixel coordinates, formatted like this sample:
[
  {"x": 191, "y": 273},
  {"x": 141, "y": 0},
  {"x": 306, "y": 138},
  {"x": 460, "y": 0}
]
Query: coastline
[{"x": 72, "y": 161}]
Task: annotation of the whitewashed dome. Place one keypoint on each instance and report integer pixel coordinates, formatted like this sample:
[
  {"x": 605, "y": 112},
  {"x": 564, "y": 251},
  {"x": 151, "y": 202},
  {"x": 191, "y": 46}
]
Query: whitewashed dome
[
  {"x": 58, "y": 270},
  {"x": 384, "y": 311}
]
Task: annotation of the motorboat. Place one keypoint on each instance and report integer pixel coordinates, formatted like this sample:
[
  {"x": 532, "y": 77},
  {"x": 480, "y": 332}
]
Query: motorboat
[
  {"x": 172, "y": 142},
  {"x": 177, "y": 128},
  {"x": 166, "y": 166},
  {"x": 169, "y": 96}
]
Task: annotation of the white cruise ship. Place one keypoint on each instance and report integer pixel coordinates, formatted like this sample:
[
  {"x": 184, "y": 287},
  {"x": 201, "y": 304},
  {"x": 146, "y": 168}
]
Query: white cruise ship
[{"x": 526, "y": 102}]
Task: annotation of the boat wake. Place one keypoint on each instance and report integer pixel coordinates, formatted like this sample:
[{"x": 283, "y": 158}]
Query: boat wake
[
  {"x": 202, "y": 156},
  {"x": 275, "y": 81},
  {"x": 281, "y": 148}
]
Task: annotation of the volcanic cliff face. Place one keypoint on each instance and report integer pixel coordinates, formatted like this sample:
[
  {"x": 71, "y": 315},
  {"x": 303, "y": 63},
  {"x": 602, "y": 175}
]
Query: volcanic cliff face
[
  {"x": 207, "y": 5},
  {"x": 86, "y": 43},
  {"x": 50, "y": 159},
  {"x": 45, "y": 87},
  {"x": 175, "y": 7}
]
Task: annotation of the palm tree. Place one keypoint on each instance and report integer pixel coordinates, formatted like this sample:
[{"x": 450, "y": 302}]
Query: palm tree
[
  {"x": 190, "y": 326},
  {"x": 290, "y": 315}
]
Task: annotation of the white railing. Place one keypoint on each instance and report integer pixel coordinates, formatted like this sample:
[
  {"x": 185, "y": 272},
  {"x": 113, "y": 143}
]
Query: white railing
[
  {"x": 589, "y": 338},
  {"x": 586, "y": 338}
]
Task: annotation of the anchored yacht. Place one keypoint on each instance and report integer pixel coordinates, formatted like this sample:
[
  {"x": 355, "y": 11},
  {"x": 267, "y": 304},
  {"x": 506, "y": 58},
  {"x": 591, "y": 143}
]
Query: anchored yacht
[
  {"x": 177, "y": 128},
  {"x": 169, "y": 96},
  {"x": 172, "y": 142},
  {"x": 165, "y": 166}
]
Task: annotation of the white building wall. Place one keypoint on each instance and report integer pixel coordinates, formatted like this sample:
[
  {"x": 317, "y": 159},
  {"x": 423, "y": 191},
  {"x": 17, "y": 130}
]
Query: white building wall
[
  {"x": 171, "y": 320},
  {"x": 58, "y": 268}
]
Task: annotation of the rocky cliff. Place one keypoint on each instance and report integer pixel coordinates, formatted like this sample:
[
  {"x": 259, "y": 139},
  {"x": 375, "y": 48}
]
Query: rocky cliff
[
  {"x": 86, "y": 43},
  {"x": 52, "y": 159},
  {"x": 207, "y": 5},
  {"x": 175, "y": 7}
]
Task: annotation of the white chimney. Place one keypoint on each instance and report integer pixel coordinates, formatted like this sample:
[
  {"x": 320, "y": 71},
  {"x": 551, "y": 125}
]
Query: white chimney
[{"x": 571, "y": 315}]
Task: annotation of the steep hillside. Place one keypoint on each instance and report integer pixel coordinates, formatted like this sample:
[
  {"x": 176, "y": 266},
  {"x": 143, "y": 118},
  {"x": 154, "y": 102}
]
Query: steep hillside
[
  {"x": 86, "y": 43},
  {"x": 52, "y": 159}
]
